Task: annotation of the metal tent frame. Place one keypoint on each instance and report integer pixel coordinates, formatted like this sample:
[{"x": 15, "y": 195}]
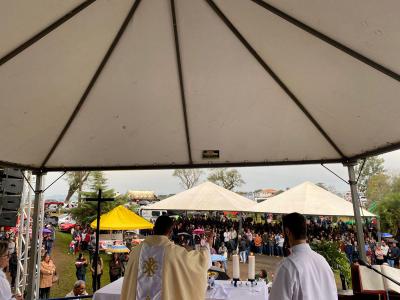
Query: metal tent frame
[{"x": 348, "y": 161}]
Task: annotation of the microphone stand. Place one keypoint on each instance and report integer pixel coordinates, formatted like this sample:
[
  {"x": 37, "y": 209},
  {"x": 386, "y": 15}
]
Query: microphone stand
[{"x": 380, "y": 273}]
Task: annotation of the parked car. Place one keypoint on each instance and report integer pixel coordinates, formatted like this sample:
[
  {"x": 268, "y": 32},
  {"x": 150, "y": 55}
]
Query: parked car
[
  {"x": 151, "y": 215},
  {"x": 70, "y": 205},
  {"x": 65, "y": 218},
  {"x": 67, "y": 227},
  {"x": 53, "y": 207},
  {"x": 53, "y": 220}
]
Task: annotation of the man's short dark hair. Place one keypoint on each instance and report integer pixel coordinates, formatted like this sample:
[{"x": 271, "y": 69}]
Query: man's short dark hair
[
  {"x": 163, "y": 225},
  {"x": 296, "y": 223}
]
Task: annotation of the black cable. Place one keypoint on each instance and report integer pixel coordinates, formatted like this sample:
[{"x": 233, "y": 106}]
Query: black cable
[
  {"x": 26, "y": 179},
  {"x": 335, "y": 174},
  {"x": 54, "y": 181}
]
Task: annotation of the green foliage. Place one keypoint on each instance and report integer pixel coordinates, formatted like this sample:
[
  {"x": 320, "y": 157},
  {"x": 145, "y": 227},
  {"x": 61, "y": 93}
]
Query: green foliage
[
  {"x": 98, "y": 181},
  {"x": 378, "y": 187},
  {"x": 227, "y": 178},
  {"x": 373, "y": 165},
  {"x": 389, "y": 212},
  {"x": 395, "y": 186},
  {"x": 336, "y": 259},
  {"x": 86, "y": 211}
]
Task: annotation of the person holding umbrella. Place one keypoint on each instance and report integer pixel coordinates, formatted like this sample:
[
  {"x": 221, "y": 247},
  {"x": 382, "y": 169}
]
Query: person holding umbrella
[{"x": 48, "y": 240}]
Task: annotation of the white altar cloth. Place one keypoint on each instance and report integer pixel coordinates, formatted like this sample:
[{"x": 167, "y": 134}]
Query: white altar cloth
[{"x": 112, "y": 291}]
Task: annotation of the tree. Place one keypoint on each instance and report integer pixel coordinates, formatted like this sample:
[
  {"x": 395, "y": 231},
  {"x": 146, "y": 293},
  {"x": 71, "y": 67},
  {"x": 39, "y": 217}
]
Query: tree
[
  {"x": 86, "y": 212},
  {"x": 76, "y": 181},
  {"x": 226, "y": 178},
  {"x": 373, "y": 165},
  {"x": 378, "y": 187},
  {"x": 389, "y": 212},
  {"x": 188, "y": 177},
  {"x": 395, "y": 184}
]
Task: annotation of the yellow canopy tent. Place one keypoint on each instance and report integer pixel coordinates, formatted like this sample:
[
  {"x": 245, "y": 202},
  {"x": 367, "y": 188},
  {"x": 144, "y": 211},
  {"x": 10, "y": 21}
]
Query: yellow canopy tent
[{"x": 121, "y": 218}]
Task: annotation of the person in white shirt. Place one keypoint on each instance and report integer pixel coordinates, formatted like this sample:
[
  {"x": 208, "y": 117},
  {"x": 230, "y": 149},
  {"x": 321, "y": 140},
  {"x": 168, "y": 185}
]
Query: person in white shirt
[
  {"x": 304, "y": 275},
  {"x": 5, "y": 289},
  {"x": 281, "y": 241},
  {"x": 11, "y": 246},
  {"x": 227, "y": 236},
  {"x": 385, "y": 249}
]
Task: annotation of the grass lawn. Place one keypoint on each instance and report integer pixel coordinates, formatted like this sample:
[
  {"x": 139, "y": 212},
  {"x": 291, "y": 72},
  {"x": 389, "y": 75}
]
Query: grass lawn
[{"x": 65, "y": 264}]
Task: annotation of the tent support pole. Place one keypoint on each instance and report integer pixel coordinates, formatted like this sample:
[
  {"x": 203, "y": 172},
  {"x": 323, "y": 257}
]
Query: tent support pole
[
  {"x": 356, "y": 208},
  {"x": 378, "y": 229},
  {"x": 36, "y": 244},
  {"x": 96, "y": 254}
]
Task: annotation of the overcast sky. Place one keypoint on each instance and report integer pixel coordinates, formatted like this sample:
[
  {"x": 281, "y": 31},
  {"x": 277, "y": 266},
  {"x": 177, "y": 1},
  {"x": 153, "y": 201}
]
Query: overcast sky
[{"x": 162, "y": 181}]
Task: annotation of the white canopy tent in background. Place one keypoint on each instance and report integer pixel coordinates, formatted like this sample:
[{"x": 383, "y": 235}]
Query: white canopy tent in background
[
  {"x": 204, "y": 197},
  {"x": 153, "y": 84},
  {"x": 308, "y": 199}
]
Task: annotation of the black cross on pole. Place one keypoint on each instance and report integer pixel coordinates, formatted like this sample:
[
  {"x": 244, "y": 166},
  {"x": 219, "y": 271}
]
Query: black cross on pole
[{"x": 96, "y": 254}]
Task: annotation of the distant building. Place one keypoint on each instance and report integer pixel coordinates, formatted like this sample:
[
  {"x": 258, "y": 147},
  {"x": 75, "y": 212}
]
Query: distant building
[
  {"x": 140, "y": 196},
  {"x": 165, "y": 196},
  {"x": 361, "y": 196},
  {"x": 264, "y": 194}
]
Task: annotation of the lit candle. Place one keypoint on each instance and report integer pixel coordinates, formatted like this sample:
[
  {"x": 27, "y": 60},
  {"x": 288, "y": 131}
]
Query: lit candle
[
  {"x": 236, "y": 271},
  {"x": 252, "y": 267}
]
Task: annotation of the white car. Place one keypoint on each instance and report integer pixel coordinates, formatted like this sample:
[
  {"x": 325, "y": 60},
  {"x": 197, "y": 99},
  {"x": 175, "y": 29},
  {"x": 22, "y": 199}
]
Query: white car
[
  {"x": 151, "y": 215},
  {"x": 70, "y": 205},
  {"x": 65, "y": 218}
]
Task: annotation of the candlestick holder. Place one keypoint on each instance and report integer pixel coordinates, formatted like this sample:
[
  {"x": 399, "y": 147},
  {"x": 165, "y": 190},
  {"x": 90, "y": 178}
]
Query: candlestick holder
[
  {"x": 252, "y": 282},
  {"x": 235, "y": 281}
]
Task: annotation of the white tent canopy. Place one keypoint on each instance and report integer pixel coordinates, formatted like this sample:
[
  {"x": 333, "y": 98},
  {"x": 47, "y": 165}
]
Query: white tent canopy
[
  {"x": 204, "y": 197},
  {"x": 308, "y": 199},
  {"x": 115, "y": 85}
]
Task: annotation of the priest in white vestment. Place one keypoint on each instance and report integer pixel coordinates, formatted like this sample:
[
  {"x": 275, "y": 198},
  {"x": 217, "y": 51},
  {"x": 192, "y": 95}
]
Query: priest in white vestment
[
  {"x": 304, "y": 274},
  {"x": 160, "y": 270}
]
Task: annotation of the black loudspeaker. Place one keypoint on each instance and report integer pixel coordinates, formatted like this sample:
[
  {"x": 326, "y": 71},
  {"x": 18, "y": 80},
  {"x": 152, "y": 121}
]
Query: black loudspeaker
[
  {"x": 11, "y": 186},
  {"x": 8, "y": 218},
  {"x": 11, "y": 202},
  {"x": 11, "y": 173}
]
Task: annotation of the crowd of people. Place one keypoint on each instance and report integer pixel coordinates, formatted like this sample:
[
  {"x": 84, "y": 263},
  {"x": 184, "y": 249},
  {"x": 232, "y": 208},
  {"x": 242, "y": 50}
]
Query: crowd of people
[
  {"x": 260, "y": 238},
  {"x": 83, "y": 241},
  {"x": 267, "y": 238}
]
